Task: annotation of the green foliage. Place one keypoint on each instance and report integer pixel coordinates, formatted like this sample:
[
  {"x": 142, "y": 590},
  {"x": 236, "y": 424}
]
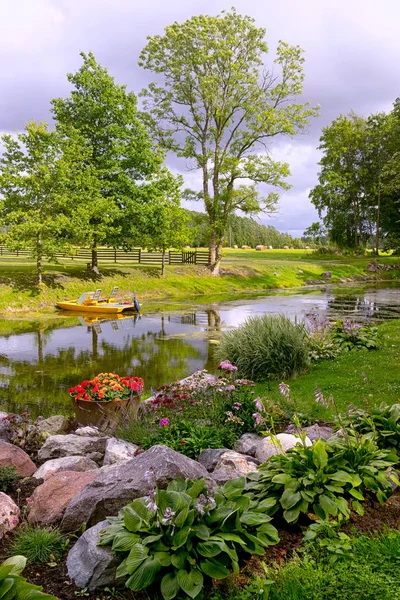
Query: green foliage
[
  {"x": 39, "y": 544},
  {"x": 15, "y": 587},
  {"x": 8, "y": 477},
  {"x": 176, "y": 540},
  {"x": 218, "y": 108},
  {"x": 326, "y": 479},
  {"x": 348, "y": 335},
  {"x": 325, "y": 537},
  {"x": 381, "y": 423},
  {"x": 267, "y": 347}
]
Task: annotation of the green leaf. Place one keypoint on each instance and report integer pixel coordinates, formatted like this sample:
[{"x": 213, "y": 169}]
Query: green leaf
[
  {"x": 124, "y": 541},
  {"x": 6, "y": 585},
  {"x": 150, "y": 539},
  {"x": 282, "y": 478},
  {"x": 202, "y": 531},
  {"x": 17, "y": 564},
  {"x": 209, "y": 549},
  {"x": 135, "y": 557},
  {"x": 214, "y": 570},
  {"x": 179, "y": 559},
  {"x": 191, "y": 582},
  {"x": 234, "y": 487},
  {"x": 359, "y": 508},
  {"x": 132, "y": 521},
  {"x": 320, "y": 456},
  {"x": 169, "y": 586},
  {"x": 164, "y": 558},
  {"x": 291, "y": 515},
  {"x": 268, "y": 531},
  {"x": 356, "y": 494},
  {"x": 197, "y": 488},
  {"x": 145, "y": 574},
  {"x": 253, "y": 518},
  {"x": 328, "y": 504},
  {"x": 289, "y": 499},
  {"x": 232, "y": 537},
  {"x": 180, "y": 538},
  {"x": 266, "y": 504},
  {"x": 177, "y": 485}
]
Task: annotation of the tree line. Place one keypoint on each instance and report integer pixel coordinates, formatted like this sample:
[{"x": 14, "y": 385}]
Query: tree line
[
  {"x": 357, "y": 196},
  {"x": 99, "y": 175}
]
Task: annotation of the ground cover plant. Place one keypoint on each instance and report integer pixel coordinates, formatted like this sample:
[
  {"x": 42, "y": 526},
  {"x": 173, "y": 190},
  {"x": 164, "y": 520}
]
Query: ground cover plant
[
  {"x": 381, "y": 423},
  {"x": 266, "y": 347},
  {"x": 176, "y": 540},
  {"x": 8, "y": 477},
  {"x": 39, "y": 544}
]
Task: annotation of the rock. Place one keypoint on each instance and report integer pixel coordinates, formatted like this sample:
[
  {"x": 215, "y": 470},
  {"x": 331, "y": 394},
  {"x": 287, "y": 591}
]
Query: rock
[
  {"x": 268, "y": 447},
  {"x": 315, "y": 432},
  {"x": 118, "y": 451},
  {"x": 12, "y": 456},
  {"x": 50, "y": 499},
  {"x": 58, "y": 446},
  {"x": 118, "y": 485},
  {"x": 372, "y": 268},
  {"x": 89, "y": 431},
  {"x": 247, "y": 444},
  {"x": 4, "y": 433},
  {"x": 232, "y": 465},
  {"x": 327, "y": 274},
  {"x": 393, "y": 478},
  {"x": 9, "y": 514},
  {"x": 53, "y": 425},
  {"x": 300, "y": 272},
  {"x": 68, "y": 463},
  {"x": 210, "y": 457},
  {"x": 89, "y": 565}
]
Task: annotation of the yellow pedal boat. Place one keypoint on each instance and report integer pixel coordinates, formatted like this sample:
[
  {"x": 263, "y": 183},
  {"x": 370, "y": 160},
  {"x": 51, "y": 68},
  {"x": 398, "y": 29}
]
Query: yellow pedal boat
[{"x": 92, "y": 302}]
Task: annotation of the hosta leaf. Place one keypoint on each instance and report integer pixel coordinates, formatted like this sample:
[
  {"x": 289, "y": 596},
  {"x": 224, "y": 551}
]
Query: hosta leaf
[
  {"x": 243, "y": 502},
  {"x": 124, "y": 541},
  {"x": 270, "y": 531},
  {"x": 189, "y": 519},
  {"x": 164, "y": 558},
  {"x": 196, "y": 488},
  {"x": 6, "y": 585},
  {"x": 328, "y": 504},
  {"x": 17, "y": 564},
  {"x": 266, "y": 504},
  {"x": 132, "y": 521},
  {"x": 289, "y": 499},
  {"x": 253, "y": 518},
  {"x": 320, "y": 455},
  {"x": 150, "y": 539},
  {"x": 234, "y": 487},
  {"x": 144, "y": 575},
  {"x": 177, "y": 485},
  {"x": 179, "y": 559},
  {"x": 232, "y": 537},
  {"x": 253, "y": 545},
  {"x": 343, "y": 506},
  {"x": 358, "y": 507},
  {"x": 169, "y": 586},
  {"x": 140, "y": 508},
  {"x": 214, "y": 570},
  {"x": 181, "y": 516},
  {"x": 202, "y": 531},
  {"x": 135, "y": 557},
  {"x": 291, "y": 515},
  {"x": 174, "y": 500},
  {"x": 356, "y": 494},
  {"x": 282, "y": 478},
  {"x": 209, "y": 549},
  {"x": 181, "y": 537},
  {"x": 191, "y": 582},
  {"x": 220, "y": 513}
]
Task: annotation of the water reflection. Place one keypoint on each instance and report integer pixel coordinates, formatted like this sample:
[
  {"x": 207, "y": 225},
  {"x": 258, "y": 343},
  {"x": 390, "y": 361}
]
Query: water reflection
[{"x": 41, "y": 360}]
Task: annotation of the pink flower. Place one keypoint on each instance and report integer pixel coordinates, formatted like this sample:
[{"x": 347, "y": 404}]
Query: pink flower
[
  {"x": 284, "y": 390},
  {"x": 227, "y": 366},
  {"x": 14, "y": 521},
  {"x": 164, "y": 422},
  {"x": 259, "y": 419},
  {"x": 29, "y": 500},
  {"x": 259, "y": 404},
  {"x": 229, "y": 388}
]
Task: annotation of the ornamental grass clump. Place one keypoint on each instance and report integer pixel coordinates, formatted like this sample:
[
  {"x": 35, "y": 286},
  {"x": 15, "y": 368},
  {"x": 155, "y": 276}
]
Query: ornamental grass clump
[
  {"x": 174, "y": 542},
  {"x": 267, "y": 347}
]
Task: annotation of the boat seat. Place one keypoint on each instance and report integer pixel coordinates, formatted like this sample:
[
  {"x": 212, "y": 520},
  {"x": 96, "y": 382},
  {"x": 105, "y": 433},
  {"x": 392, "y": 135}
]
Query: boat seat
[
  {"x": 97, "y": 295},
  {"x": 83, "y": 297},
  {"x": 114, "y": 292}
]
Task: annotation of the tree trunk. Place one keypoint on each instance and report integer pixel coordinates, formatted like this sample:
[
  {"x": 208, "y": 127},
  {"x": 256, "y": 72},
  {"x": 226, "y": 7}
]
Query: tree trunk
[
  {"x": 94, "y": 256},
  {"x": 39, "y": 257},
  {"x": 212, "y": 247},
  {"x": 378, "y": 218},
  {"x": 163, "y": 262}
]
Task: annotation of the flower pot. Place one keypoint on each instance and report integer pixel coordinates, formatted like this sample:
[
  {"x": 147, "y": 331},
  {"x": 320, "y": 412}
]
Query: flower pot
[{"x": 106, "y": 415}]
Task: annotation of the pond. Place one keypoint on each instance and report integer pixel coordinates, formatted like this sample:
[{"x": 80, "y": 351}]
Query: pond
[{"x": 40, "y": 360}]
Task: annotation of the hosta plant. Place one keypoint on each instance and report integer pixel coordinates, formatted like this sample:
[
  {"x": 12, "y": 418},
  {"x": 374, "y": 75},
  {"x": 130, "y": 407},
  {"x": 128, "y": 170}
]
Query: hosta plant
[
  {"x": 175, "y": 541},
  {"x": 349, "y": 334},
  {"x": 323, "y": 479},
  {"x": 381, "y": 423},
  {"x": 15, "y": 587}
]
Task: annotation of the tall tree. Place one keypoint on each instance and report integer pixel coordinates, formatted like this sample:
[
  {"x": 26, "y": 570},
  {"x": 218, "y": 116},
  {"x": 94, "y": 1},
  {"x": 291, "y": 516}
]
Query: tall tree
[
  {"x": 41, "y": 179},
  {"x": 123, "y": 158},
  {"x": 218, "y": 107}
]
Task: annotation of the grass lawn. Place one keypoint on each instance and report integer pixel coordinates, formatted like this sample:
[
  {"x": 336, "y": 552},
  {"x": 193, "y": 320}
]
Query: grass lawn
[
  {"x": 241, "y": 271},
  {"x": 343, "y": 377}
]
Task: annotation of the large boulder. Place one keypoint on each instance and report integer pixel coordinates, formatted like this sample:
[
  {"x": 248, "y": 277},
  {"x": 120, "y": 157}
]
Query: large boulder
[
  {"x": 68, "y": 463},
  {"x": 89, "y": 565},
  {"x": 13, "y": 456},
  {"x": 316, "y": 432},
  {"x": 247, "y": 443},
  {"x": 210, "y": 457},
  {"x": 9, "y": 514},
  {"x": 232, "y": 465},
  {"x": 89, "y": 430},
  {"x": 119, "y": 451},
  {"x": 56, "y": 425},
  {"x": 58, "y": 446},
  {"x": 272, "y": 446},
  {"x": 118, "y": 485},
  {"x": 49, "y": 500}
]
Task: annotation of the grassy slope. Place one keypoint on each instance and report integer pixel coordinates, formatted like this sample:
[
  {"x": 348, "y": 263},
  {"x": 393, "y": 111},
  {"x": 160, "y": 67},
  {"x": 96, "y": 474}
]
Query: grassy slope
[
  {"x": 242, "y": 271},
  {"x": 343, "y": 378}
]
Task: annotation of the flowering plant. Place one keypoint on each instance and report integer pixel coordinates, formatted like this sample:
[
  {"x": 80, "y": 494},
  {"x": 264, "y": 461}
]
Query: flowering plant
[{"x": 107, "y": 387}]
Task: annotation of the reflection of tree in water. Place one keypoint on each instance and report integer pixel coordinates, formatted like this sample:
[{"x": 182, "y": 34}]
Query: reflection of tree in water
[
  {"x": 360, "y": 307},
  {"x": 46, "y": 382}
]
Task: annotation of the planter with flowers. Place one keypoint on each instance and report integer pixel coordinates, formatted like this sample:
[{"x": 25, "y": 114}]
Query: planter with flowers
[{"x": 107, "y": 400}]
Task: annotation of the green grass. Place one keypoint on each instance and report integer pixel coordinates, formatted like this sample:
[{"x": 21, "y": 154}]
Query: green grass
[
  {"x": 39, "y": 544},
  {"x": 242, "y": 271},
  {"x": 342, "y": 377}
]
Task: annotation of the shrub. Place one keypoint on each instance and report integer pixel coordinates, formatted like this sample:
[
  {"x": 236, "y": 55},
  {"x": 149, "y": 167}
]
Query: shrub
[
  {"x": 349, "y": 335},
  {"x": 381, "y": 423},
  {"x": 8, "y": 477},
  {"x": 14, "y": 586},
  {"x": 38, "y": 544},
  {"x": 175, "y": 541},
  {"x": 319, "y": 338},
  {"x": 326, "y": 479},
  {"x": 267, "y": 347}
]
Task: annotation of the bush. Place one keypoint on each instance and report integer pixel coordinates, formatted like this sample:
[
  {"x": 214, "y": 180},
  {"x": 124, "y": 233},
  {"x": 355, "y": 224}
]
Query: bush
[
  {"x": 381, "y": 423},
  {"x": 38, "y": 544},
  {"x": 8, "y": 477},
  {"x": 319, "y": 338},
  {"x": 267, "y": 347},
  {"x": 14, "y": 586},
  {"x": 327, "y": 479},
  {"x": 349, "y": 335},
  {"x": 176, "y": 541}
]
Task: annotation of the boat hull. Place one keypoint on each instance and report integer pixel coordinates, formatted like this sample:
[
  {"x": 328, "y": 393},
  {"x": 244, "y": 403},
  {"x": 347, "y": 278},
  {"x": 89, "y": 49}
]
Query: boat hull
[{"x": 104, "y": 308}]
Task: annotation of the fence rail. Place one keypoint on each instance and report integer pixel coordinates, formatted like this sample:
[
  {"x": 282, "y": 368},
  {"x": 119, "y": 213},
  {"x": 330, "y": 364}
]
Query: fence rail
[{"x": 118, "y": 255}]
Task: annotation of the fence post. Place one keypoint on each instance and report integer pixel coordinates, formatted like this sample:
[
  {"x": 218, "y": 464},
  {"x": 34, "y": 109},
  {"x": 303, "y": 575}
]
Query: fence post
[
  {"x": 169, "y": 257},
  {"x": 115, "y": 254},
  {"x": 140, "y": 256},
  {"x": 17, "y": 251}
]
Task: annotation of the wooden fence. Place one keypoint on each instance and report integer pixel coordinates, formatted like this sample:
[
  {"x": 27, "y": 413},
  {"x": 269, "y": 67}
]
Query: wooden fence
[{"x": 118, "y": 255}]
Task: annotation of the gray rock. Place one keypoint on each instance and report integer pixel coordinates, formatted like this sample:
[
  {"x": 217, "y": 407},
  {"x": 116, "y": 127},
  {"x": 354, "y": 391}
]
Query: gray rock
[
  {"x": 56, "y": 425},
  {"x": 68, "y": 463},
  {"x": 118, "y": 485},
  {"x": 210, "y": 457},
  {"x": 315, "y": 432},
  {"x": 89, "y": 565},
  {"x": 327, "y": 274},
  {"x": 270, "y": 447},
  {"x": 118, "y": 451},
  {"x": 232, "y": 465},
  {"x": 58, "y": 446},
  {"x": 4, "y": 434},
  {"x": 89, "y": 431},
  {"x": 247, "y": 444},
  {"x": 300, "y": 272}
]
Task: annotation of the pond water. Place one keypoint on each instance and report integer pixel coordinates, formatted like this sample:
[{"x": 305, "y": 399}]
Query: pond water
[{"x": 40, "y": 360}]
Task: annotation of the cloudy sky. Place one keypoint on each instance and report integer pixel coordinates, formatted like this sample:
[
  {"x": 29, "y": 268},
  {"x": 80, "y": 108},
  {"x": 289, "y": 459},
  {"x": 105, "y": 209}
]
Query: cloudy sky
[{"x": 352, "y": 50}]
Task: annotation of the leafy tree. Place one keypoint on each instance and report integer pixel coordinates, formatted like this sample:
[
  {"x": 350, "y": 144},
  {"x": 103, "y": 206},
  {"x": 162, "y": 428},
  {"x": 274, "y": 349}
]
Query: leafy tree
[
  {"x": 123, "y": 159},
  {"x": 218, "y": 108},
  {"x": 40, "y": 182},
  {"x": 315, "y": 232}
]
